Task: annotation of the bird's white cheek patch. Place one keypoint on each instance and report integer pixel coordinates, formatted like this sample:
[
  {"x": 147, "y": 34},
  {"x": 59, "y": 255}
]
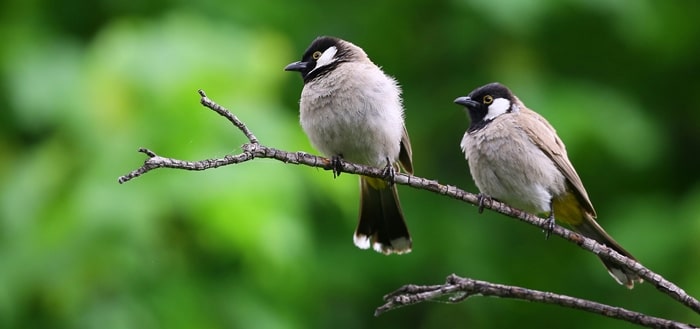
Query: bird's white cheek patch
[
  {"x": 514, "y": 108},
  {"x": 498, "y": 107},
  {"x": 327, "y": 57}
]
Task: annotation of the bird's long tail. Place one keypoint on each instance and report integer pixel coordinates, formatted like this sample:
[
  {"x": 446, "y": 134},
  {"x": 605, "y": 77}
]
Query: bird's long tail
[
  {"x": 381, "y": 225},
  {"x": 590, "y": 228}
]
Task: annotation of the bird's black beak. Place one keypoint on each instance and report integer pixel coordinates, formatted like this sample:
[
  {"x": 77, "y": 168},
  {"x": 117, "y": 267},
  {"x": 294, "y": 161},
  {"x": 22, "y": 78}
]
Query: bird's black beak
[
  {"x": 466, "y": 101},
  {"x": 296, "y": 66}
]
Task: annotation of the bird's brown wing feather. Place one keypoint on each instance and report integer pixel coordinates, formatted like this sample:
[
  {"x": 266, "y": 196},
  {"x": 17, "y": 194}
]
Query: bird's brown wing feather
[
  {"x": 545, "y": 137},
  {"x": 406, "y": 154}
]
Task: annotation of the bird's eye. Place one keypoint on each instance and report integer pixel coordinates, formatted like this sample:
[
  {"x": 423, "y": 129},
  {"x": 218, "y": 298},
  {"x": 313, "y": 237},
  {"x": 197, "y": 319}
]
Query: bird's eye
[
  {"x": 316, "y": 55},
  {"x": 488, "y": 99}
]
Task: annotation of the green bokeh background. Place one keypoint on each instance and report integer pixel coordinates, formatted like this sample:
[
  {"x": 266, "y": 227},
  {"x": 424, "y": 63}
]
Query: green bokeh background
[{"x": 83, "y": 84}]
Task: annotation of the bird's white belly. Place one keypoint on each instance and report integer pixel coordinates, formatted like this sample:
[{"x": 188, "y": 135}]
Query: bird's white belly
[
  {"x": 363, "y": 130},
  {"x": 515, "y": 172}
]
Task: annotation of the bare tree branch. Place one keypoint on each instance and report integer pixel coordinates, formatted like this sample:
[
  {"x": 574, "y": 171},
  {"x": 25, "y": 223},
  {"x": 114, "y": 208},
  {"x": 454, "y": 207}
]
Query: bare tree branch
[
  {"x": 458, "y": 289},
  {"x": 254, "y": 149}
]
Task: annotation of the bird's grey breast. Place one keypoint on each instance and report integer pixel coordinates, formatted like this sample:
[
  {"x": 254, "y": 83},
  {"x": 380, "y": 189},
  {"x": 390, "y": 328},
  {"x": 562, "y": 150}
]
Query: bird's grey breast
[
  {"x": 354, "y": 111},
  {"x": 507, "y": 165}
]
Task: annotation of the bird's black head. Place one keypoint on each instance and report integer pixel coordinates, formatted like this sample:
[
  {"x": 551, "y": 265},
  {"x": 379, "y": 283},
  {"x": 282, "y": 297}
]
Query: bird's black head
[
  {"x": 486, "y": 103},
  {"x": 322, "y": 56}
]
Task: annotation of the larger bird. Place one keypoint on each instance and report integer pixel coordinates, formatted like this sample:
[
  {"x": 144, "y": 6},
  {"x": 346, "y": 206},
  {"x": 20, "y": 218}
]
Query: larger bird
[
  {"x": 515, "y": 156},
  {"x": 352, "y": 111}
]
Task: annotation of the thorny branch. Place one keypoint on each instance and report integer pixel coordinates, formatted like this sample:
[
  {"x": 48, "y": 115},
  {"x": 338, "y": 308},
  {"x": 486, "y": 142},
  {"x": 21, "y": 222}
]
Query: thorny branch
[{"x": 413, "y": 294}]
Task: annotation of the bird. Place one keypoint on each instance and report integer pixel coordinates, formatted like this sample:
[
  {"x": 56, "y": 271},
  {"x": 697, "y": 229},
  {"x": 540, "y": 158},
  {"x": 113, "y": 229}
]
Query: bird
[
  {"x": 515, "y": 156},
  {"x": 352, "y": 111}
]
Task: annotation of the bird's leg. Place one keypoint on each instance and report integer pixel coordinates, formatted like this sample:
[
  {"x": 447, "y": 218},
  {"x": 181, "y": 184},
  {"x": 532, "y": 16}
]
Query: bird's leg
[
  {"x": 389, "y": 172},
  {"x": 337, "y": 165},
  {"x": 481, "y": 197},
  {"x": 550, "y": 222}
]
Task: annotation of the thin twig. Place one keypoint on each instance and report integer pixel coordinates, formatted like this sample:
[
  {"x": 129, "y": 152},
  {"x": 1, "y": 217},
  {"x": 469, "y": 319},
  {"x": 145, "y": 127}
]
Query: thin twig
[
  {"x": 228, "y": 115},
  {"x": 459, "y": 289},
  {"x": 155, "y": 161},
  {"x": 254, "y": 149}
]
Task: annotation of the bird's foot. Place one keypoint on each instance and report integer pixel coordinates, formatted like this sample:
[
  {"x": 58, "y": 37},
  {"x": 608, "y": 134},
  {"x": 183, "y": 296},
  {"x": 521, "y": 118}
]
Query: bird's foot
[
  {"x": 389, "y": 172},
  {"x": 482, "y": 198},
  {"x": 337, "y": 165},
  {"x": 550, "y": 226}
]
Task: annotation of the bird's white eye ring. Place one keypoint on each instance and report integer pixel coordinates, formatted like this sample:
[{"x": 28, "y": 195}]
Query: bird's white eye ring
[
  {"x": 316, "y": 55},
  {"x": 488, "y": 99}
]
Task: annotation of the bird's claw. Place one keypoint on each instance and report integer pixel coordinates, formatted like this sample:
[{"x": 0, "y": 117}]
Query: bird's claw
[
  {"x": 550, "y": 226},
  {"x": 337, "y": 165},
  {"x": 481, "y": 197},
  {"x": 389, "y": 172}
]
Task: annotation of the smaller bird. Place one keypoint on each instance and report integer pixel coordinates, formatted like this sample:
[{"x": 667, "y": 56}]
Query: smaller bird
[
  {"x": 516, "y": 157},
  {"x": 351, "y": 110}
]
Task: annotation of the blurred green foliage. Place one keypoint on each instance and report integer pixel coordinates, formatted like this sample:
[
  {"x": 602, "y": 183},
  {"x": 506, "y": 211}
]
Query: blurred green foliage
[{"x": 83, "y": 84}]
